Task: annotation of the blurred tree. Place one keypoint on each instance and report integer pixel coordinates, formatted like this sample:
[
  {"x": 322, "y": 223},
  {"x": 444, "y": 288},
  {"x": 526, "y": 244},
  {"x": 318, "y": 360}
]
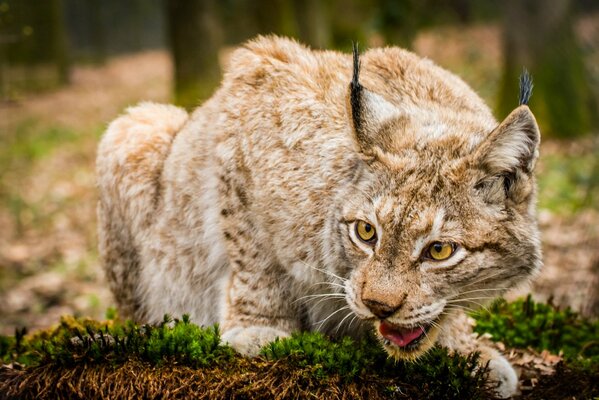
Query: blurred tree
[
  {"x": 97, "y": 21},
  {"x": 272, "y": 16},
  {"x": 195, "y": 36},
  {"x": 250, "y": 18},
  {"x": 399, "y": 21},
  {"x": 350, "y": 21},
  {"x": 539, "y": 35},
  {"x": 98, "y": 29},
  {"x": 313, "y": 24},
  {"x": 59, "y": 40},
  {"x": 237, "y": 13},
  {"x": 33, "y": 33}
]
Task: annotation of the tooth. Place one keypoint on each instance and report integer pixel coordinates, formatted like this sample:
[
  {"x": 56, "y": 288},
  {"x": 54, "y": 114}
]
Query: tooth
[{"x": 386, "y": 342}]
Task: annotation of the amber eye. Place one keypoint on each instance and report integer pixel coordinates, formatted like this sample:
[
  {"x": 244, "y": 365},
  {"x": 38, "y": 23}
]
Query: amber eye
[
  {"x": 440, "y": 251},
  {"x": 365, "y": 232}
]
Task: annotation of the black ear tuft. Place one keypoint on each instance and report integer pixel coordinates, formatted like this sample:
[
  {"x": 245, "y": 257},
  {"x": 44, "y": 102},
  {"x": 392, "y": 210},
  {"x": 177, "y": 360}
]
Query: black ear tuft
[
  {"x": 525, "y": 87},
  {"x": 369, "y": 111},
  {"x": 356, "y": 90},
  {"x": 356, "y": 74}
]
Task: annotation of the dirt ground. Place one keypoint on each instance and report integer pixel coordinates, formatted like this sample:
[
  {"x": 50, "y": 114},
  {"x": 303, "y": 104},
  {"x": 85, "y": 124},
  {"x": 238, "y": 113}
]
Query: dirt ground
[{"x": 48, "y": 256}]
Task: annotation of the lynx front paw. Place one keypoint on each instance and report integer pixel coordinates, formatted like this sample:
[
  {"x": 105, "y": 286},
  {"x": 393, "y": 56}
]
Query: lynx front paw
[
  {"x": 248, "y": 341},
  {"x": 503, "y": 376}
]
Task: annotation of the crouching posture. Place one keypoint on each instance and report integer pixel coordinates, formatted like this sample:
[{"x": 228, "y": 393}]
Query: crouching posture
[{"x": 318, "y": 191}]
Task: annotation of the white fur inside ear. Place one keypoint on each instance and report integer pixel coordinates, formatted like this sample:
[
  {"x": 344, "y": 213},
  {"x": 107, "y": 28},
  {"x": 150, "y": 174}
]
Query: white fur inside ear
[
  {"x": 377, "y": 109},
  {"x": 514, "y": 144},
  {"x": 510, "y": 150}
]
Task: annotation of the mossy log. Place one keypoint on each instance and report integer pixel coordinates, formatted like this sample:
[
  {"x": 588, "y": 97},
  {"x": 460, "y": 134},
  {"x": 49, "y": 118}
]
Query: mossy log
[
  {"x": 255, "y": 379},
  {"x": 83, "y": 358},
  {"x": 137, "y": 379}
]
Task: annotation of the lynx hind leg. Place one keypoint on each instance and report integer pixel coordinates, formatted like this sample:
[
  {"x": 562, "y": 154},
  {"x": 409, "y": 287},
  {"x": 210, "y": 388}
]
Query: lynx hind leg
[
  {"x": 131, "y": 156},
  {"x": 129, "y": 164},
  {"x": 458, "y": 337}
]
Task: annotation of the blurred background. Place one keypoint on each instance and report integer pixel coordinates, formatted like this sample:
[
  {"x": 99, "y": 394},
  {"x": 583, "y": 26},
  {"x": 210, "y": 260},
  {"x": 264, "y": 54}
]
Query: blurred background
[{"x": 67, "y": 67}]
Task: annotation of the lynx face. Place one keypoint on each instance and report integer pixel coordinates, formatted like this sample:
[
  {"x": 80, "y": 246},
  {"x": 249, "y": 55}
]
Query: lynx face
[{"x": 441, "y": 222}]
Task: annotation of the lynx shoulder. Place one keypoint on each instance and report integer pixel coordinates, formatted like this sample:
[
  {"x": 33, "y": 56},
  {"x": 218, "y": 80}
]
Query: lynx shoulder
[{"x": 322, "y": 191}]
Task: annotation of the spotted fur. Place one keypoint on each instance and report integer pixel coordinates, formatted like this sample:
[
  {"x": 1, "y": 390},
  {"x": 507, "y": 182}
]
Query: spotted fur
[{"x": 243, "y": 213}]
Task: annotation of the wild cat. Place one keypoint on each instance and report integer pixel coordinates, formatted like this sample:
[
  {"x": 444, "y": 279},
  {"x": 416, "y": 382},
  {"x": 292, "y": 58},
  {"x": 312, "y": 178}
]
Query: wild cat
[{"x": 316, "y": 191}]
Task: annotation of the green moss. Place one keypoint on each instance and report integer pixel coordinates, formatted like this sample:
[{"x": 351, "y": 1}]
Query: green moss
[
  {"x": 525, "y": 323},
  {"x": 84, "y": 340},
  {"x": 7, "y": 344},
  {"x": 438, "y": 374},
  {"x": 520, "y": 324},
  {"x": 308, "y": 356},
  {"x": 345, "y": 357},
  {"x": 184, "y": 341}
]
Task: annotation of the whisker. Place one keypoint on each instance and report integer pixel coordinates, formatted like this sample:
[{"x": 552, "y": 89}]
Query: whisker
[
  {"x": 460, "y": 307},
  {"x": 463, "y": 309},
  {"x": 470, "y": 309},
  {"x": 424, "y": 330},
  {"x": 463, "y": 306},
  {"x": 485, "y": 278},
  {"x": 321, "y": 323},
  {"x": 315, "y": 296},
  {"x": 470, "y": 298},
  {"x": 340, "y": 323},
  {"x": 352, "y": 321},
  {"x": 336, "y": 299},
  {"x": 483, "y": 306},
  {"x": 330, "y": 284},
  {"x": 478, "y": 290},
  {"x": 324, "y": 271},
  {"x": 441, "y": 328}
]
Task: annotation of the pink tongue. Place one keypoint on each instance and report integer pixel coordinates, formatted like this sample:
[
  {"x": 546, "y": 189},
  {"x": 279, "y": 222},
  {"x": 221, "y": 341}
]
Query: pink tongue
[{"x": 400, "y": 336}]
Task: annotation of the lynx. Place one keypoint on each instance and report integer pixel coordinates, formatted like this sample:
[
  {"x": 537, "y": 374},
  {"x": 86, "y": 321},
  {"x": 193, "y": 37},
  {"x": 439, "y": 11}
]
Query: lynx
[{"x": 319, "y": 191}]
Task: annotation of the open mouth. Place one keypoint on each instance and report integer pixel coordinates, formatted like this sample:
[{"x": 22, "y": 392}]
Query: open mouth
[{"x": 406, "y": 338}]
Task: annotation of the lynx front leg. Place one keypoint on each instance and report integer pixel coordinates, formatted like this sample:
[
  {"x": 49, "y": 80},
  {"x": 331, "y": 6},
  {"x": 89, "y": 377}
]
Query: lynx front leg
[
  {"x": 258, "y": 310},
  {"x": 458, "y": 337},
  {"x": 259, "y": 301}
]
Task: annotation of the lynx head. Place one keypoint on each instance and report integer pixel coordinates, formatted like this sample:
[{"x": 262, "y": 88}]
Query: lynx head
[{"x": 443, "y": 217}]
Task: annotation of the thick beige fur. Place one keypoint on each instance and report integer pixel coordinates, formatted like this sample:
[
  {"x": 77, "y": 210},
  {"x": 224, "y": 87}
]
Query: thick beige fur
[{"x": 244, "y": 213}]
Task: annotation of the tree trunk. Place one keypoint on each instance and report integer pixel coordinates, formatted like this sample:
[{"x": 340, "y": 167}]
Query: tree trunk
[
  {"x": 313, "y": 22},
  {"x": 538, "y": 35},
  {"x": 195, "y": 37},
  {"x": 59, "y": 41},
  {"x": 96, "y": 15},
  {"x": 399, "y": 21},
  {"x": 272, "y": 16}
]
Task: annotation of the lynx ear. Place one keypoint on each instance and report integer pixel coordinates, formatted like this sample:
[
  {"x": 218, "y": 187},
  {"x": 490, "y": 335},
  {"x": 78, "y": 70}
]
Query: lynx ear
[
  {"x": 513, "y": 145},
  {"x": 369, "y": 111},
  {"x": 507, "y": 157}
]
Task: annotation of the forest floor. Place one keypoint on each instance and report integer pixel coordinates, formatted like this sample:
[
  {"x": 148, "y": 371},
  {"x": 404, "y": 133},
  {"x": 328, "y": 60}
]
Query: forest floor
[{"x": 48, "y": 257}]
